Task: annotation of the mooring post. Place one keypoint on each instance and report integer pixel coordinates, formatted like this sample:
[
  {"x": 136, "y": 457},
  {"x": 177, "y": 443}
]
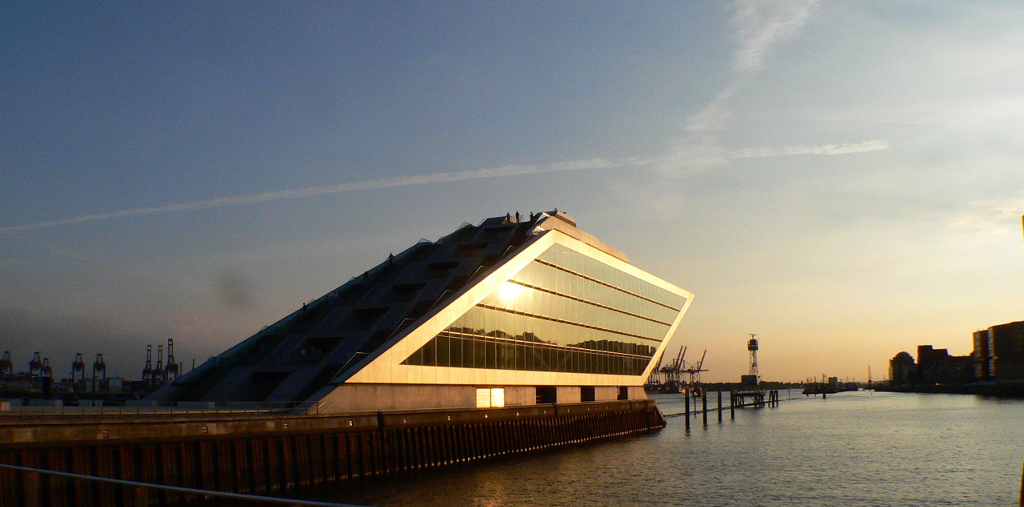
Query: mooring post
[
  {"x": 719, "y": 405},
  {"x": 704, "y": 405},
  {"x": 1022, "y": 487},
  {"x": 686, "y": 398},
  {"x": 732, "y": 405}
]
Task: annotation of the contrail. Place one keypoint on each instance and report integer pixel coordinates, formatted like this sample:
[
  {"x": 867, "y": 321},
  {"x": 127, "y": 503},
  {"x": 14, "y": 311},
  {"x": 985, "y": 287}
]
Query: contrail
[
  {"x": 426, "y": 179},
  {"x": 401, "y": 181},
  {"x": 825, "y": 149}
]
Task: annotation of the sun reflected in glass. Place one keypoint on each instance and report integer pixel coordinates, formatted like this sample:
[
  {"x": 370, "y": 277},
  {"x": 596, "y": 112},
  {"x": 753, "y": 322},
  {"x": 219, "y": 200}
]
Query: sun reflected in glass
[{"x": 509, "y": 290}]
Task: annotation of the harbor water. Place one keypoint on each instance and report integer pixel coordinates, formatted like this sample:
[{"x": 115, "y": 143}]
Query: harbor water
[{"x": 851, "y": 449}]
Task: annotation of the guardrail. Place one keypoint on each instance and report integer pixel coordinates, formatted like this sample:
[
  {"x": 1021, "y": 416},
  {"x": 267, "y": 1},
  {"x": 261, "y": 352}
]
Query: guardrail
[
  {"x": 141, "y": 407},
  {"x": 141, "y": 489}
]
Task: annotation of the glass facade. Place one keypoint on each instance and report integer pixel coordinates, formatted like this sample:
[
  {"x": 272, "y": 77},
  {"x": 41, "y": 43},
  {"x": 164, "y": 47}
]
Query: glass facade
[{"x": 564, "y": 312}]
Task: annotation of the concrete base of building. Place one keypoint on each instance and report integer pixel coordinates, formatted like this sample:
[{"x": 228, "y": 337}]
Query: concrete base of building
[{"x": 353, "y": 398}]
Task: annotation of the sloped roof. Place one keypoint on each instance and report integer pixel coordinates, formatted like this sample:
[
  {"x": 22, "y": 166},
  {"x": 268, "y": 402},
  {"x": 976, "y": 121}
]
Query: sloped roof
[{"x": 303, "y": 352}]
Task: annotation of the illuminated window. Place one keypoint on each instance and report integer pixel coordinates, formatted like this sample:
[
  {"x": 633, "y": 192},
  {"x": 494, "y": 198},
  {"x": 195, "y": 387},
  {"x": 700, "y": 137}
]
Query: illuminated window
[
  {"x": 498, "y": 397},
  {"x": 490, "y": 398}
]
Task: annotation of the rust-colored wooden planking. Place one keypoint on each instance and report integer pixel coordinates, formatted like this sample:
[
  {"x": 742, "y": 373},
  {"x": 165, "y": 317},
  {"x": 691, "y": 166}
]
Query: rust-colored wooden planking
[
  {"x": 223, "y": 457},
  {"x": 444, "y": 454},
  {"x": 356, "y": 452},
  {"x": 374, "y": 452},
  {"x": 316, "y": 458},
  {"x": 412, "y": 438},
  {"x": 400, "y": 456},
  {"x": 423, "y": 456},
  {"x": 106, "y": 466},
  {"x": 301, "y": 448},
  {"x": 287, "y": 462},
  {"x": 188, "y": 451},
  {"x": 127, "y": 460},
  {"x": 391, "y": 461},
  {"x": 433, "y": 447},
  {"x": 274, "y": 467},
  {"x": 207, "y": 469},
  {"x": 481, "y": 445},
  {"x": 242, "y": 465},
  {"x": 59, "y": 488},
  {"x": 415, "y": 448},
  {"x": 329, "y": 460},
  {"x": 258, "y": 469},
  {"x": 486, "y": 440},
  {"x": 81, "y": 464},
  {"x": 170, "y": 469},
  {"x": 343, "y": 456},
  {"x": 10, "y": 480}
]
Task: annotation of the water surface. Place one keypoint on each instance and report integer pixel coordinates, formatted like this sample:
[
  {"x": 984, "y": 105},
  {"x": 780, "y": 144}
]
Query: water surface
[{"x": 852, "y": 449}]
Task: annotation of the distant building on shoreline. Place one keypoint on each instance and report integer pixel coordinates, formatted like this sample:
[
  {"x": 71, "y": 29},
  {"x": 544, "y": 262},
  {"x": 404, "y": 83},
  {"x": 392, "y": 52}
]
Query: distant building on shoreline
[
  {"x": 998, "y": 356},
  {"x": 999, "y": 352}
]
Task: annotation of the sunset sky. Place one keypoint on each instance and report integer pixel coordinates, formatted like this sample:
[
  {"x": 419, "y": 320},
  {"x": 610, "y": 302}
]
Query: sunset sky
[{"x": 844, "y": 178}]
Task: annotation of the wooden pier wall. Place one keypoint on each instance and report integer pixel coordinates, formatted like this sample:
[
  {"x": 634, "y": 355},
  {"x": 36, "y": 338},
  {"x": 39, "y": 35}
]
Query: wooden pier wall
[{"x": 258, "y": 454}]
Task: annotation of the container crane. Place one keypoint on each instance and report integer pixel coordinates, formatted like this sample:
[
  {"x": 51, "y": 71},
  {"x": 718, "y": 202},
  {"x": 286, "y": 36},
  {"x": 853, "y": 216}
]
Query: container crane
[
  {"x": 172, "y": 365},
  {"x": 673, "y": 377},
  {"x": 694, "y": 370},
  {"x": 45, "y": 371},
  {"x": 78, "y": 365},
  {"x": 100, "y": 367},
  {"x": 159, "y": 374},
  {"x": 35, "y": 364},
  {"x": 6, "y": 364},
  {"x": 654, "y": 380},
  {"x": 147, "y": 371}
]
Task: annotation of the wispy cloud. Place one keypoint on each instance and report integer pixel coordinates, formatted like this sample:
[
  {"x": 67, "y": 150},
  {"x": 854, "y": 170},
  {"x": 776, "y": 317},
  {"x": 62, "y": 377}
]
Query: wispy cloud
[
  {"x": 295, "y": 193},
  {"x": 762, "y": 25},
  {"x": 824, "y": 149},
  {"x": 997, "y": 216},
  {"x": 717, "y": 114}
]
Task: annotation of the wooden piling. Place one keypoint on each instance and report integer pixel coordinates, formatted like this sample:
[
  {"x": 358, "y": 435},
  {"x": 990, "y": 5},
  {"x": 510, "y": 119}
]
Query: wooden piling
[
  {"x": 686, "y": 399},
  {"x": 719, "y": 405},
  {"x": 704, "y": 405},
  {"x": 1021, "y": 503}
]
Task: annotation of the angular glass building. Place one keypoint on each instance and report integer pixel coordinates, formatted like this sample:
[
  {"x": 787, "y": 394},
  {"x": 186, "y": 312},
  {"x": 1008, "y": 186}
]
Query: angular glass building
[{"x": 514, "y": 311}]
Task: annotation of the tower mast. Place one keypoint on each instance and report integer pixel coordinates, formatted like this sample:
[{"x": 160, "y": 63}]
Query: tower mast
[{"x": 752, "y": 347}]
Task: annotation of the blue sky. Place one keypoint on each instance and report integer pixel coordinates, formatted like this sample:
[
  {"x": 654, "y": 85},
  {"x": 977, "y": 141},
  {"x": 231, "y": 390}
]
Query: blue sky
[{"x": 842, "y": 178}]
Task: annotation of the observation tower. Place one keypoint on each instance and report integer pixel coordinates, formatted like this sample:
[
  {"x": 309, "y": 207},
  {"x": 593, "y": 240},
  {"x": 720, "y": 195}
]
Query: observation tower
[{"x": 752, "y": 378}]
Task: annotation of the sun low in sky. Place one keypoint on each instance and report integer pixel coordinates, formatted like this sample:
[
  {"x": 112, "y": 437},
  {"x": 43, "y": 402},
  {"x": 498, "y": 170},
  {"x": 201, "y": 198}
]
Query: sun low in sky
[{"x": 845, "y": 179}]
